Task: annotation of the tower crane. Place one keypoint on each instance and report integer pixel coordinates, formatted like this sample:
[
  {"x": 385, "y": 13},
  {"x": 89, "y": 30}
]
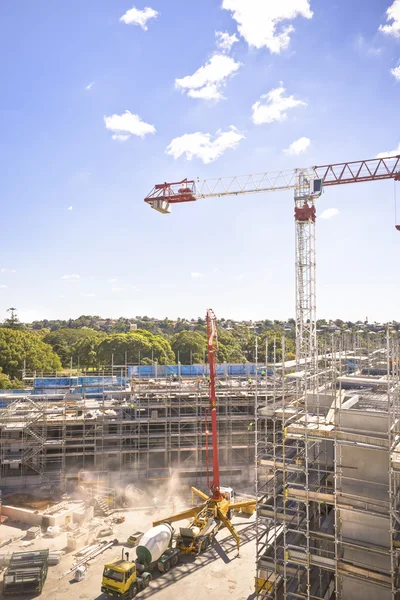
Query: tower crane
[{"x": 307, "y": 184}]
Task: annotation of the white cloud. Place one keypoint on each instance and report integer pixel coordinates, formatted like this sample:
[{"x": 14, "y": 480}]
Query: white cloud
[
  {"x": 126, "y": 125},
  {"x": 395, "y": 152},
  {"x": 259, "y": 21},
  {"x": 329, "y": 213},
  {"x": 7, "y": 270},
  {"x": 117, "y": 289},
  {"x": 299, "y": 146},
  {"x": 276, "y": 106},
  {"x": 113, "y": 280},
  {"x": 196, "y": 275},
  {"x": 121, "y": 137},
  {"x": 69, "y": 208},
  {"x": 206, "y": 82},
  {"x": 89, "y": 295},
  {"x": 89, "y": 86},
  {"x": 396, "y": 72},
  {"x": 3, "y": 287},
  {"x": 135, "y": 16},
  {"x": 365, "y": 48},
  {"x": 201, "y": 145},
  {"x": 208, "y": 92},
  {"x": 393, "y": 14},
  {"x": 72, "y": 276},
  {"x": 225, "y": 41}
]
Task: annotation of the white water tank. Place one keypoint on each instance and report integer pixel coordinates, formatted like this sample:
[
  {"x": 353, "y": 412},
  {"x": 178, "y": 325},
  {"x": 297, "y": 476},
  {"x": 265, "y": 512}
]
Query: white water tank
[{"x": 154, "y": 543}]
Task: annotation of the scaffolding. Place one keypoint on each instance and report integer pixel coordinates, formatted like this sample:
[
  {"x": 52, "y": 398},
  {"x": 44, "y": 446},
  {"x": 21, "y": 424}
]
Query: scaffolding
[
  {"x": 327, "y": 473},
  {"x": 132, "y": 430}
]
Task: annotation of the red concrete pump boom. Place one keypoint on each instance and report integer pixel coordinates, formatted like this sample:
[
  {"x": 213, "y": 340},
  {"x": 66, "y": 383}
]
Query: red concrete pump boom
[{"x": 212, "y": 347}]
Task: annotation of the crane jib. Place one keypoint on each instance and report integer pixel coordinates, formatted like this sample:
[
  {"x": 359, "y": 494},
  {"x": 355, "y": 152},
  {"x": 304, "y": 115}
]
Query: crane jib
[{"x": 189, "y": 190}]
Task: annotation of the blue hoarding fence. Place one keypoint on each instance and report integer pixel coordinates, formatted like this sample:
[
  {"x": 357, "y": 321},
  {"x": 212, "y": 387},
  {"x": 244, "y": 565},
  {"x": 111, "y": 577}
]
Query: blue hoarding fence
[{"x": 191, "y": 371}]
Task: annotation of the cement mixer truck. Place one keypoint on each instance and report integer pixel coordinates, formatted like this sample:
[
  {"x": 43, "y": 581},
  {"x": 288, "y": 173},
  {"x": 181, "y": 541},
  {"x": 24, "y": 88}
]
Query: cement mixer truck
[{"x": 124, "y": 579}]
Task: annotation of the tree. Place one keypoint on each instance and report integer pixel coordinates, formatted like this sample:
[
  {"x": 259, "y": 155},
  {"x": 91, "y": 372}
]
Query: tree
[
  {"x": 246, "y": 341},
  {"x": 7, "y": 384},
  {"x": 190, "y": 346},
  {"x": 13, "y": 322},
  {"x": 229, "y": 348},
  {"x": 134, "y": 346},
  {"x": 121, "y": 326},
  {"x": 63, "y": 340},
  {"x": 24, "y": 348},
  {"x": 275, "y": 348},
  {"x": 85, "y": 351}
]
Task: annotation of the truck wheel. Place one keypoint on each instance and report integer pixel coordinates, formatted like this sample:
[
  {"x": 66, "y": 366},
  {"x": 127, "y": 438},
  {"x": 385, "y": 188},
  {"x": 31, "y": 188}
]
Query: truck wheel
[
  {"x": 174, "y": 560},
  {"x": 146, "y": 581},
  {"x": 211, "y": 539},
  {"x": 167, "y": 566},
  {"x": 206, "y": 543},
  {"x": 133, "y": 591}
]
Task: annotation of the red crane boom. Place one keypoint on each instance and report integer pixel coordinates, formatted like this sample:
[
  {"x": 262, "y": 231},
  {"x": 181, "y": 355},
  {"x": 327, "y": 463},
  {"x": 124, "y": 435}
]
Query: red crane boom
[{"x": 212, "y": 347}]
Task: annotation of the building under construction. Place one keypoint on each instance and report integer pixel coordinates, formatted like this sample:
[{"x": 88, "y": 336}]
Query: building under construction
[
  {"x": 122, "y": 429},
  {"x": 328, "y": 477}
]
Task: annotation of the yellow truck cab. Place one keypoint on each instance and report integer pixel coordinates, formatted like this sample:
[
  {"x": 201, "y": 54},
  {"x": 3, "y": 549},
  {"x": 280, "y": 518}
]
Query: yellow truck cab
[
  {"x": 120, "y": 580},
  {"x": 124, "y": 579}
]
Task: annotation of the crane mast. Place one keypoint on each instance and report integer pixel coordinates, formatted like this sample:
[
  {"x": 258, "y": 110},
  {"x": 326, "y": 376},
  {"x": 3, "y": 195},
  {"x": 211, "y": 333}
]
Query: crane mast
[
  {"x": 306, "y": 302},
  {"x": 307, "y": 184}
]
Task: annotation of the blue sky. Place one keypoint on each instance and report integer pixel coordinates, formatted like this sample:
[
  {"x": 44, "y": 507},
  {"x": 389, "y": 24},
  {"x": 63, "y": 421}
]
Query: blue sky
[{"x": 66, "y": 67}]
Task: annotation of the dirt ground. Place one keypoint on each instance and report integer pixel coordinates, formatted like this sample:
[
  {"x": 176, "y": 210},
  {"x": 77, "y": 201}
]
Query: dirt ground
[{"x": 218, "y": 573}]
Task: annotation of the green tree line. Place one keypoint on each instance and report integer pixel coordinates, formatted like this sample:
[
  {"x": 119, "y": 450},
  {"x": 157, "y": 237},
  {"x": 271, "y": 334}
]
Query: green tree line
[
  {"x": 90, "y": 342},
  {"x": 41, "y": 349}
]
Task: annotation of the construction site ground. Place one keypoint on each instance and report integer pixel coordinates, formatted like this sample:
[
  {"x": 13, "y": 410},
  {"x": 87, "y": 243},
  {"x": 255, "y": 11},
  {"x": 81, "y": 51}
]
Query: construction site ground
[{"x": 217, "y": 573}]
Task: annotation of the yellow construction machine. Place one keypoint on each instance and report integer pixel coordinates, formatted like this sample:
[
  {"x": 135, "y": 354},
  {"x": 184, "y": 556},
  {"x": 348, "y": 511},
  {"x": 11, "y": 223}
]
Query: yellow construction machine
[{"x": 207, "y": 519}]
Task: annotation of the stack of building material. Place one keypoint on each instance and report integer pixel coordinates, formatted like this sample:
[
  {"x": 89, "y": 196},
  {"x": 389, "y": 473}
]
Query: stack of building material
[
  {"x": 33, "y": 532},
  {"x": 91, "y": 553},
  {"x": 55, "y": 557}
]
